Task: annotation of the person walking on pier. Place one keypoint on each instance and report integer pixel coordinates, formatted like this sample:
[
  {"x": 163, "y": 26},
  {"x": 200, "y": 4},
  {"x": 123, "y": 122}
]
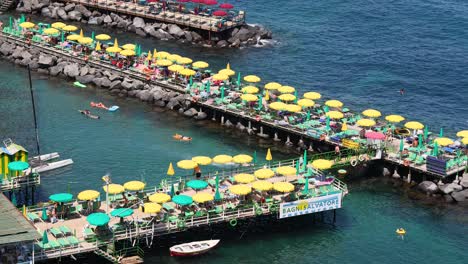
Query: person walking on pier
[{"x": 197, "y": 172}]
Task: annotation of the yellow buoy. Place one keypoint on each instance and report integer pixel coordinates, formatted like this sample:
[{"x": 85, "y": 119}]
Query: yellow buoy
[{"x": 401, "y": 231}]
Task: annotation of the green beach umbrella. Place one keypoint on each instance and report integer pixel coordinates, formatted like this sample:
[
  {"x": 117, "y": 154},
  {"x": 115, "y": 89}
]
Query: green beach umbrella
[
  {"x": 420, "y": 141},
  {"x": 98, "y": 219},
  {"x": 13, "y": 199},
  {"x": 238, "y": 79},
  {"x": 306, "y": 186},
  {"x": 217, "y": 196},
  {"x": 208, "y": 84},
  {"x": 441, "y": 133},
  {"x": 45, "y": 238},
  {"x": 402, "y": 145},
  {"x": 122, "y": 212},
  {"x": 326, "y": 108},
  {"x": 61, "y": 197},
  {"x": 172, "y": 190},
  {"x": 260, "y": 105},
  {"x": 426, "y": 132},
  {"x": 297, "y": 167},
  {"x": 436, "y": 149},
  {"x": 23, "y": 18},
  {"x": 305, "y": 159},
  {"x": 44, "y": 214},
  {"x": 182, "y": 199},
  {"x": 191, "y": 80},
  {"x": 308, "y": 115},
  {"x": 328, "y": 123},
  {"x": 295, "y": 94},
  {"x": 92, "y": 35},
  {"x": 254, "y": 157},
  {"x": 222, "y": 92},
  {"x": 197, "y": 184}
]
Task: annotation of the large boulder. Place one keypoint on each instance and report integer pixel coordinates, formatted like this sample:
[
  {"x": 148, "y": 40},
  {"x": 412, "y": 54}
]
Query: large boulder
[
  {"x": 93, "y": 21},
  {"x": 190, "y": 112},
  {"x": 428, "y": 187},
  {"x": 62, "y": 14},
  {"x": 105, "y": 82},
  {"x": 140, "y": 32},
  {"x": 200, "y": 116},
  {"x": 137, "y": 85},
  {"x": 138, "y": 22},
  {"x": 175, "y": 30},
  {"x": 127, "y": 84},
  {"x": 74, "y": 15},
  {"x": 165, "y": 35},
  {"x": 460, "y": 196},
  {"x": 116, "y": 84},
  {"x": 83, "y": 10},
  {"x": 107, "y": 19},
  {"x": 69, "y": 7},
  {"x": 18, "y": 52},
  {"x": 45, "y": 11},
  {"x": 85, "y": 79},
  {"x": 72, "y": 70},
  {"x": 188, "y": 36},
  {"x": 196, "y": 37},
  {"x": 145, "y": 96},
  {"x": 84, "y": 70},
  {"x": 222, "y": 44},
  {"x": 55, "y": 70},
  {"x": 7, "y": 49},
  {"x": 464, "y": 181},
  {"x": 46, "y": 60},
  {"x": 33, "y": 64},
  {"x": 449, "y": 188}
]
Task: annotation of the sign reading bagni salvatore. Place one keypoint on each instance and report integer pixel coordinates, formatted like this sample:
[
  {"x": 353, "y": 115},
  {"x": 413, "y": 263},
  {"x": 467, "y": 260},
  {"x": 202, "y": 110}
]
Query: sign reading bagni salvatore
[{"x": 309, "y": 206}]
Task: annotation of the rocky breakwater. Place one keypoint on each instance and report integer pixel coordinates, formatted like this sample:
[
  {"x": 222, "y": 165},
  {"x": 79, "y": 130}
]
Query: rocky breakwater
[
  {"x": 456, "y": 191},
  {"x": 89, "y": 75},
  {"x": 243, "y": 36}
]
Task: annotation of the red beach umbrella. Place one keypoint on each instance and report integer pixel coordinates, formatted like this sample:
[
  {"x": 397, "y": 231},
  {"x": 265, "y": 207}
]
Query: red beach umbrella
[
  {"x": 198, "y": 1},
  {"x": 219, "y": 13},
  {"x": 210, "y": 2},
  {"x": 226, "y": 6},
  {"x": 183, "y": 1}
]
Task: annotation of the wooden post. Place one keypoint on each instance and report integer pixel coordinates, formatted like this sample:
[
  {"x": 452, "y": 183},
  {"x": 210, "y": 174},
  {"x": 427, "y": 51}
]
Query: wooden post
[
  {"x": 409, "y": 175},
  {"x": 222, "y": 120}
]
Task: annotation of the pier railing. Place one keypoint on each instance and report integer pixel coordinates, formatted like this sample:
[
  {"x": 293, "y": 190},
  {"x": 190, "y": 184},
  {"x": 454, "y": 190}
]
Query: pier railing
[{"x": 19, "y": 182}]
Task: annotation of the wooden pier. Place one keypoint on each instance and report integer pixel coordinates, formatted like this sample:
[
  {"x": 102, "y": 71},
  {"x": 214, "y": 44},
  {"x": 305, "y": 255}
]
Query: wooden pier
[
  {"x": 221, "y": 113},
  {"x": 203, "y": 22}
]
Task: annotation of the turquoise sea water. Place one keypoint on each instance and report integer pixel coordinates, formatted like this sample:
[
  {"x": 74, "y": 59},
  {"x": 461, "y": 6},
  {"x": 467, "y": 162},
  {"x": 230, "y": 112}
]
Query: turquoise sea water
[{"x": 361, "y": 52}]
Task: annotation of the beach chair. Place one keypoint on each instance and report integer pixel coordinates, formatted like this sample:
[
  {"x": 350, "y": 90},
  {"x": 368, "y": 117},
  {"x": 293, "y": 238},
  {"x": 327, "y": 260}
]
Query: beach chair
[
  {"x": 412, "y": 156},
  {"x": 89, "y": 234},
  {"x": 73, "y": 240},
  {"x": 419, "y": 160},
  {"x": 212, "y": 182},
  {"x": 189, "y": 214},
  {"x": 63, "y": 242},
  {"x": 56, "y": 232},
  {"x": 199, "y": 213},
  {"x": 54, "y": 244},
  {"x": 65, "y": 230},
  {"x": 168, "y": 207},
  {"x": 33, "y": 217}
]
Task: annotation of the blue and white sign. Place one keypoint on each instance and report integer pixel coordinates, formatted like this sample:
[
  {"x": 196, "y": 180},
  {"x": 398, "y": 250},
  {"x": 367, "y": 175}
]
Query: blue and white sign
[{"x": 309, "y": 206}]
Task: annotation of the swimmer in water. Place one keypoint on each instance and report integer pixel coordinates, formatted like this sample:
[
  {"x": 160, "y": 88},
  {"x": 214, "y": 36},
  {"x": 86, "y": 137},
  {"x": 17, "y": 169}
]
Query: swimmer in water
[{"x": 402, "y": 91}]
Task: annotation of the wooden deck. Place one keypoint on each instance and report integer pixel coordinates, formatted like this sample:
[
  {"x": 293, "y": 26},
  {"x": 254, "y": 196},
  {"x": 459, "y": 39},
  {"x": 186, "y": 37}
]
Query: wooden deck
[
  {"x": 208, "y": 23},
  {"x": 221, "y": 109}
]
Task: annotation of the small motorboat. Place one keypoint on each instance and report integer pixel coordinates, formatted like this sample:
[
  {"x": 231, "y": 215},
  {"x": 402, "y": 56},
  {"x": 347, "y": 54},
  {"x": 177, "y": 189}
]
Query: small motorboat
[
  {"x": 88, "y": 114},
  {"x": 193, "y": 248},
  {"x": 99, "y": 105},
  {"x": 78, "y": 84}
]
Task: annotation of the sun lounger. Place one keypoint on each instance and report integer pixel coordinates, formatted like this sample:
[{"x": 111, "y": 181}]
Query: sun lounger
[
  {"x": 63, "y": 242},
  {"x": 89, "y": 234},
  {"x": 56, "y": 232},
  {"x": 33, "y": 217},
  {"x": 54, "y": 244},
  {"x": 65, "y": 230},
  {"x": 189, "y": 214},
  {"x": 73, "y": 240},
  {"x": 168, "y": 207}
]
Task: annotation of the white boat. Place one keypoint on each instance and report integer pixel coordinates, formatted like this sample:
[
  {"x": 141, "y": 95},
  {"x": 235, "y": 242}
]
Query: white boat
[
  {"x": 46, "y": 157},
  {"x": 52, "y": 165},
  {"x": 193, "y": 248}
]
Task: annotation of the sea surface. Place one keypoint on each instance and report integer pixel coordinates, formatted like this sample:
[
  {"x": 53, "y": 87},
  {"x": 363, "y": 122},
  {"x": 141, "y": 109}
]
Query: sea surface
[{"x": 360, "y": 52}]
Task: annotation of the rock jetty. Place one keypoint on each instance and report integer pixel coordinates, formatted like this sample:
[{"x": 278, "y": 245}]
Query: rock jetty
[{"x": 246, "y": 35}]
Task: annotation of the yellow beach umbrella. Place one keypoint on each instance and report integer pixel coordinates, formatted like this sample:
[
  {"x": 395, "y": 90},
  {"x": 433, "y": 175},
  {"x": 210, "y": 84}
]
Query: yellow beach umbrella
[
  {"x": 272, "y": 86},
  {"x": 278, "y": 106},
  {"x": 51, "y": 31},
  {"x": 170, "y": 170},
  {"x": 69, "y": 28},
  {"x": 268, "y": 155},
  {"x": 220, "y": 77},
  {"x": 365, "y": 122},
  {"x": 244, "y": 178},
  {"x": 184, "y": 60},
  {"x": 173, "y": 57},
  {"x": 344, "y": 127},
  {"x": 27, "y": 25},
  {"x": 242, "y": 158},
  {"x": 264, "y": 173},
  {"x": 286, "y": 170},
  {"x": 287, "y": 97},
  {"x": 250, "y": 90},
  {"x": 293, "y": 108},
  {"x": 371, "y": 113},
  {"x": 151, "y": 208},
  {"x": 129, "y": 46},
  {"x": 443, "y": 141},
  {"x": 127, "y": 52},
  {"x": 187, "y": 164},
  {"x": 202, "y": 160},
  {"x": 462, "y": 134},
  {"x": 164, "y": 63},
  {"x": 249, "y": 97},
  {"x": 155, "y": 54},
  {"x": 202, "y": 197},
  {"x": 162, "y": 54},
  {"x": 305, "y": 102},
  {"x": 312, "y": 95},
  {"x": 286, "y": 89},
  {"x": 252, "y": 78},
  {"x": 160, "y": 198},
  {"x": 414, "y": 125},
  {"x": 262, "y": 185},
  {"x": 283, "y": 187},
  {"x": 134, "y": 186},
  {"x": 465, "y": 141},
  {"x": 200, "y": 65},
  {"x": 85, "y": 40},
  {"x": 222, "y": 159},
  {"x": 81, "y": 33},
  {"x": 187, "y": 72},
  {"x": 240, "y": 189},
  {"x": 103, "y": 37},
  {"x": 227, "y": 72},
  {"x": 322, "y": 164},
  {"x": 88, "y": 195},
  {"x": 98, "y": 46},
  {"x": 114, "y": 188},
  {"x": 334, "y": 103},
  {"x": 394, "y": 118},
  {"x": 334, "y": 114},
  {"x": 176, "y": 68},
  {"x": 73, "y": 37},
  {"x": 58, "y": 25},
  {"x": 148, "y": 56},
  {"x": 113, "y": 49}
]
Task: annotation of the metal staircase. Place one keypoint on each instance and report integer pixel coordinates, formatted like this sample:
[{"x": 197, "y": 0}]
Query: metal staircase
[{"x": 6, "y": 4}]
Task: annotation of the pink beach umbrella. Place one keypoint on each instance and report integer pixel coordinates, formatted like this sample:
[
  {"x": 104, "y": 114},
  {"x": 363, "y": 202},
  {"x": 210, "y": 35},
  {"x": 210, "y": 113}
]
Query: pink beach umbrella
[
  {"x": 226, "y": 6},
  {"x": 219, "y": 13},
  {"x": 198, "y": 1},
  {"x": 183, "y": 1},
  {"x": 210, "y": 2},
  {"x": 375, "y": 135}
]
